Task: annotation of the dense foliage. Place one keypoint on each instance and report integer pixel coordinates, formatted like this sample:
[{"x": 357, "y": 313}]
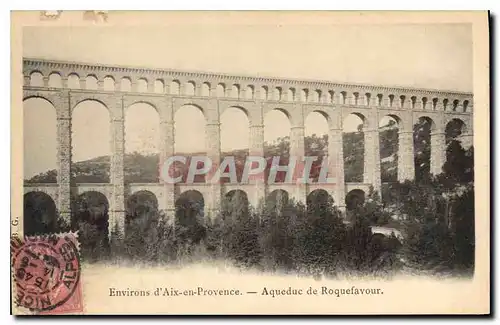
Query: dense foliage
[
  {"x": 144, "y": 168},
  {"x": 434, "y": 214},
  {"x": 437, "y": 223},
  {"x": 279, "y": 236}
]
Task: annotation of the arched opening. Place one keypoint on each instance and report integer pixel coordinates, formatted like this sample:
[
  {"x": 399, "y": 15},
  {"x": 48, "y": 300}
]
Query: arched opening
[
  {"x": 39, "y": 214},
  {"x": 91, "y": 219},
  {"x": 316, "y": 141},
  {"x": 425, "y": 103},
  {"x": 205, "y": 89},
  {"x": 55, "y": 80},
  {"x": 319, "y": 202},
  {"x": 142, "y": 86},
  {"x": 422, "y": 147},
  {"x": 235, "y": 205},
  {"x": 189, "y": 129},
  {"x": 389, "y": 147},
  {"x": 367, "y": 99},
  {"x": 402, "y": 101},
  {"x": 36, "y": 79},
  {"x": 109, "y": 83},
  {"x": 189, "y": 213},
  {"x": 276, "y": 141},
  {"x": 354, "y": 122},
  {"x": 355, "y": 98},
  {"x": 249, "y": 93},
  {"x": 190, "y": 138},
  {"x": 175, "y": 87},
  {"x": 264, "y": 93},
  {"x": 282, "y": 94},
  {"x": 142, "y": 143},
  {"x": 291, "y": 94},
  {"x": 141, "y": 211},
  {"x": 234, "y": 133},
  {"x": 413, "y": 100},
  {"x": 91, "y": 142},
  {"x": 220, "y": 90},
  {"x": 465, "y": 105},
  {"x": 304, "y": 94},
  {"x": 237, "y": 196},
  {"x": 343, "y": 97},
  {"x": 445, "y": 104},
  {"x": 235, "y": 91},
  {"x": 190, "y": 88},
  {"x": 331, "y": 97},
  {"x": 454, "y": 129},
  {"x": 459, "y": 164},
  {"x": 455, "y": 105},
  {"x": 354, "y": 147},
  {"x": 141, "y": 204},
  {"x": 91, "y": 82},
  {"x": 317, "y": 96},
  {"x": 276, "y": 94},
  {"x": 391, "y": 100},
  {"x": 277, "y": 200},
  {"x": 434, "y": 103},
  {"x": 73, "y": 81},
  {"x": 40, "y": 141},
  {"x": 159, "y": 86},
  {"x": 125, "y": 84},
  {"x": 354, "y": 199}
]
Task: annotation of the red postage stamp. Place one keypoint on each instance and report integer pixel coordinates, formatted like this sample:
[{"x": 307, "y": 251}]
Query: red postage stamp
[{"x": 47, "y": 274}]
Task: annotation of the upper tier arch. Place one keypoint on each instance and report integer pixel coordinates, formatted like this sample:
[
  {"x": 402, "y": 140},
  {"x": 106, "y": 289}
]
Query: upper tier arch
[{"x": 325, "y": 93}]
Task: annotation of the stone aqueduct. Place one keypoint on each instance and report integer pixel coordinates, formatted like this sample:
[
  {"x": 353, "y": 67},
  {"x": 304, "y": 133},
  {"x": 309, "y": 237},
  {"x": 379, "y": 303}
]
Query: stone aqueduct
[{"x": 119, "y": 87}]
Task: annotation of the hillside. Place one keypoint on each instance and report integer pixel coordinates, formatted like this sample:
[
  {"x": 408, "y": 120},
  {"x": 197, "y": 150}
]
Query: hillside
[{"x": 144, "y": 168}]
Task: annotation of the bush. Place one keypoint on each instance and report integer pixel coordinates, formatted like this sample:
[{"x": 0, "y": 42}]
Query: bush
[{"x": 284, "y": 236}]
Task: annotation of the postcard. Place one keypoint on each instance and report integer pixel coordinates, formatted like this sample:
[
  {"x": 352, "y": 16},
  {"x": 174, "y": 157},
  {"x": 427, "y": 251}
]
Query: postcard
[{"x": 250, "y": 163}]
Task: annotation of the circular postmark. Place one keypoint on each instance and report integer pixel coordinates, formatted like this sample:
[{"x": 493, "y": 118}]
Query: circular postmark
[{"x": 46, "y": 271}]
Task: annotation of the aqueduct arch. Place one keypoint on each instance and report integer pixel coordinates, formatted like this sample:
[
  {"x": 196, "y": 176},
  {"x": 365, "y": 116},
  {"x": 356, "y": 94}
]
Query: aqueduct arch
[
  {"x": 40, "y": 213},
  {"x": 167, "y": 91}
]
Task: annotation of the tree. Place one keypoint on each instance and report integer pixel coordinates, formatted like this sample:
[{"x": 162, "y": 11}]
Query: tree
[
  {"x": 463, "y": 234},
  {"x": 239, "y": 232},
  {"x": 459, "y": 165},
  {"x": 440, "y": 232},
  {"x": 322, "y": 235},
  {"x": 422, "y": 149}
]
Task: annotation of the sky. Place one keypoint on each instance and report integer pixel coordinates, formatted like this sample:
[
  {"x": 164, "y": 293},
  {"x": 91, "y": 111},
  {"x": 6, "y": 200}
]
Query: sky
[{"x": 426, "y": 56}]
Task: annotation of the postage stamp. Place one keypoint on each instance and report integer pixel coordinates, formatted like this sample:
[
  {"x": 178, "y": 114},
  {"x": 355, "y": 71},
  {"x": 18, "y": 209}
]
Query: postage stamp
[{"x": 46, "y": 272}]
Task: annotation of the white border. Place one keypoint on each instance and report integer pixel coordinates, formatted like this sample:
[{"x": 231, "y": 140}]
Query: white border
[{"x": 189, "y": 5}]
